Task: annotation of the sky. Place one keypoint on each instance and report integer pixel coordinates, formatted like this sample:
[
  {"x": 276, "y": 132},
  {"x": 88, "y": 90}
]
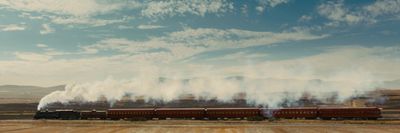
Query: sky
[{"x": 55, "y": 42}]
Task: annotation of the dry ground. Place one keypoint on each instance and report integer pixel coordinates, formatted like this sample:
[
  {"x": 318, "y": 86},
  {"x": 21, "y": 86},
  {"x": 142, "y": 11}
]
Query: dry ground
[{"x": 182, "y": 126}]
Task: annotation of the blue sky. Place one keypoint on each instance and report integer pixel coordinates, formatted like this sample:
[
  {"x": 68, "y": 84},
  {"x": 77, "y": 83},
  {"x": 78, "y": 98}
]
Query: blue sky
[{"x": 52, "y": 42}]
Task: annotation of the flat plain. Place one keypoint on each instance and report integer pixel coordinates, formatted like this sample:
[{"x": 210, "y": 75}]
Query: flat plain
[{"x": 189, "y": 126}]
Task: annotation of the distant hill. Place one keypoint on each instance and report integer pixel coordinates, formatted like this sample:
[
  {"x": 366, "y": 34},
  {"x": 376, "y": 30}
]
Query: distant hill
[
  {"x": 391, "y": 84},
  {"x": 26, "y": 92}
]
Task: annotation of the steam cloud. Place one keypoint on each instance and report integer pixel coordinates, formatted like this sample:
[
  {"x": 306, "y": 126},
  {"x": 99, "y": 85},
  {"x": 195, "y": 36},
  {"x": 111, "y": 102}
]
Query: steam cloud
[{"x": 263, "y": 84}]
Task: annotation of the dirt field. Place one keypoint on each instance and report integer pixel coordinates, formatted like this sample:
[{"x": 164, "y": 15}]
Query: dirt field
[{"x": 176, "y": 126}]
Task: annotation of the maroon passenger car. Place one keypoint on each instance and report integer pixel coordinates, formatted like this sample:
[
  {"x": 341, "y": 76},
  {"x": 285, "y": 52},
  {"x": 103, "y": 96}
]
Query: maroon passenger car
[
  {"x": 215, "y": 113},
  {"x": 136, "y": 113},
  {"x": 327, "y": 113},
  {"x": 163, "y": 113},
  {"x": 294, "y": 113}
]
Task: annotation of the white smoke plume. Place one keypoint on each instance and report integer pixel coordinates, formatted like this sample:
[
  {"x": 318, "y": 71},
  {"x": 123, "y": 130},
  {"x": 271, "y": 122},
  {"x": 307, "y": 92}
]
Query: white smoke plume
[{"x": 264, "y": 84}]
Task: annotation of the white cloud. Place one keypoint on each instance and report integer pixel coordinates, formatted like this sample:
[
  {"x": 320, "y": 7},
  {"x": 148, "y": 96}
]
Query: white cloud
[
  {"x": 274, "y": 3},
  {"x": 13, "y": 27},
  {"x": 379, "y": 10},
  {"x": 244, "y": 9},
  {"x": 28, "y": 56},
  {"x": 88, "y": 8},
  {"x": 85, "y": 12},
  {"x": 236, "y": 37},
  {"x": 188, "y": 42},
  {"x": 262, "y": 4},
  {"x": 87, "y": 20},
  {"x": 239, "y": 56},
  {"x": 70, "y": 11},
  {"x": 260, "y": 9},
  {"x": 180, "y": 8},
  {"x": 382, "y": 7},
  {"x": 46, "y": 29},
  {"x": 336, "y": 11},
  {"x": 146, "y": 27},
  {"x": 125, "y": 27},
  {"x": 305, "y": 18},
  {"x": 41, "y": 46},
  {"x": 30, "y": 16},
  {"x": 64, "y": 7}
]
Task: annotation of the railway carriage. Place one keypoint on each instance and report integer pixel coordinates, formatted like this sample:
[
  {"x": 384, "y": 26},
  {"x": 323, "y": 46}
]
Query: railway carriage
[
  {"x": 242, "y": 113},
  {"x": 183, "y": 113},
  {"x": 133, "y": 114},
  {"x": 296, "y": 113},
  {"x": 328, "y": 113}
]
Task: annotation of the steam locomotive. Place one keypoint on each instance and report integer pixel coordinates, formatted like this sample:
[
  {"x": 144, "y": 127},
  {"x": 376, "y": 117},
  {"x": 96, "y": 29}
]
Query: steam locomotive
[{"x": 251, "y": 114}]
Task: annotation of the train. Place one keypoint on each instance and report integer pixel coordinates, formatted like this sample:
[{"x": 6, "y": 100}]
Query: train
[{"x": 251, "y": 114}]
